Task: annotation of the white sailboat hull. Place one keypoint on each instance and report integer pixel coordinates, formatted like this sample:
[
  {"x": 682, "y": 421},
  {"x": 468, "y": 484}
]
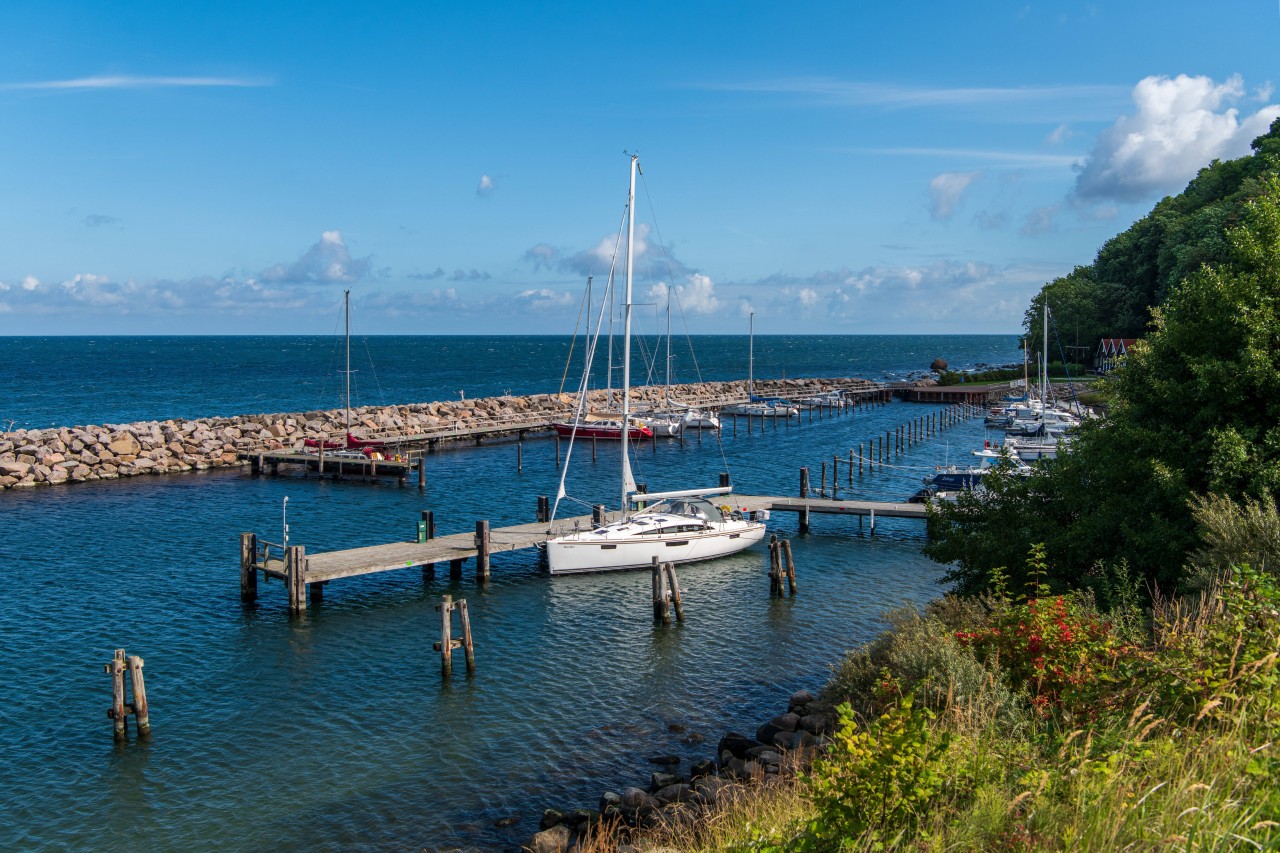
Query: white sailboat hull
[{"x": 587, "y": 551}]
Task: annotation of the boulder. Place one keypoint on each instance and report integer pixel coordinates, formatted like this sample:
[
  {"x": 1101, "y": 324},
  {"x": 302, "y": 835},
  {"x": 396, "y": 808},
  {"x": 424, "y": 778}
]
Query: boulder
[
  {"x": 553, "y": 840},
  {"x": 550, "y": 818},
  {"x": 736, "y": 744},
  {"x": 815, "y": 724},
  {"x": 670, "y": 760},
  {"x": 658, "y": 781},
  {"x": 677, "y": 793},
  {"x": 785, "y": 722},
  {"x": 938, "y": 365},
  {"x": 799, "y": 699},
  {"x": 125, "y": 445}
]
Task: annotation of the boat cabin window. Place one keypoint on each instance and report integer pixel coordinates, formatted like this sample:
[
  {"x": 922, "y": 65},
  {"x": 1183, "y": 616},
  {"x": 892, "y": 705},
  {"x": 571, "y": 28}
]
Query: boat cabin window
[{"x": 688, "y": 507}]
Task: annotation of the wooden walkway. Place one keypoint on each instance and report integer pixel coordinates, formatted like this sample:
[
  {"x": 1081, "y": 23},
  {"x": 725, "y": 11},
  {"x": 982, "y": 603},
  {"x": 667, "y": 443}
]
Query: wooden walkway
[{"x": 307, "y": 573}]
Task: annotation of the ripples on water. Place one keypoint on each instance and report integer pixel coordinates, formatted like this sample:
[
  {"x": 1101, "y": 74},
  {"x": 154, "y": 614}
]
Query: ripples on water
[{"x": 336, "y": 732}]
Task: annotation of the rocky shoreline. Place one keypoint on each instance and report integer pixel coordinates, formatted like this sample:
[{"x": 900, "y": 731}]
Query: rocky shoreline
[
  {"x": 80, "y": 454},
  {"x": 780, "y": 747}
]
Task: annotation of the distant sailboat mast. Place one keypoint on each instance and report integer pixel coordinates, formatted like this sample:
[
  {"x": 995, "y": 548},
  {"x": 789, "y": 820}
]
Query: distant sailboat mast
[
  {"x": 751, "y": 354},
  {"x": 628, "y": 480},
  {"x": 346, "y": 311}
]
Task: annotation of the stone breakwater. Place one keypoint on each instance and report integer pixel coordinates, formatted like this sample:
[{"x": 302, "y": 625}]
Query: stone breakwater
[
  {"x": 782, "y": 746},
  {"x": 80, "y": 454}
]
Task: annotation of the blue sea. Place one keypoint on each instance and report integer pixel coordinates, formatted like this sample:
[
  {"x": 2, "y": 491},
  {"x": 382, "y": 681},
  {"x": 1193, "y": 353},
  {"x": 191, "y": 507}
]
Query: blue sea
[{"x": 336, "y": 732}]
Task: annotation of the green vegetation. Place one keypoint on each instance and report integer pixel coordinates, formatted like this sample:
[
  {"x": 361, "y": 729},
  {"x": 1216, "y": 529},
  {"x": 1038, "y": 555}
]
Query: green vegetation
[
  {"x": 1056, "y": 371},
  {"x": 1106, "y": 674}
]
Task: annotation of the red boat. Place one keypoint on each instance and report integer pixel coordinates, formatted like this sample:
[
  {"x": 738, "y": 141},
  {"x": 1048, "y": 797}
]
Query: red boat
[
  {"x": 352, "y": 443},
  {"x": 602, "y": 426}
]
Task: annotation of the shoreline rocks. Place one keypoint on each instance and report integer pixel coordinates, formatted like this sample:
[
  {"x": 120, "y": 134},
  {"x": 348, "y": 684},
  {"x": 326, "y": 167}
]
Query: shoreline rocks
[
  {"x": 81, "y": 454},
  {"x": 781, "y": 745}
]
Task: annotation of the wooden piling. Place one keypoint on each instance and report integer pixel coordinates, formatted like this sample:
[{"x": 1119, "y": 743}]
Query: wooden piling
[
  {"x": 823, "y": 490},
  {"x": 119, "y": 722},
  {"x": 482, "y": 550},
  {"x": 295, "y": 573},
  {"x": 598, "y": 515},
  {"x": 520, "y": 454},
  {"x": 859, "y": 460},
  {"x": 790, "y": 566},
  {"x": 544, "y": 509},
  {"x": 661, "y": 611},
  {"x": 455, "y": 570},
  {"x": 804, "y": 483},
  {"x": 851, "y": 464},
  {"x": 248, "y": 567},
  {"x": 446, "y": 635},
  {"x": 422, "y": 473},
  {"x": 775, "y": 567},
  {"x": 467, "y": 647},
  {"x": 673, "y": 587},
  {"x": 140, "y": 712}
]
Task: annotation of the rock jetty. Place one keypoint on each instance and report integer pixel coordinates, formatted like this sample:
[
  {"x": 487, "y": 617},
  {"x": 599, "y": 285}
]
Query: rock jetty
[{"x": 80, "y": 454}]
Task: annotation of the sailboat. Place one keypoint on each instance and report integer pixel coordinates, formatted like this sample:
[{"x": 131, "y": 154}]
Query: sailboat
[
  {"x": 677, "y": 526},
  {"x": 669, "y": 421},
  {"x": 361, "y": 446},
  {"x": 758, "y": 407}
]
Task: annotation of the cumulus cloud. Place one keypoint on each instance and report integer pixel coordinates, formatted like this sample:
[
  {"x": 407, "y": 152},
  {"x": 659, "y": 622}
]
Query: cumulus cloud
[
  {"x": 650, "y": 260},
  {"x": 807, "y": 297},
  {"x": 1178, "y": 126},
  {"x": 30, "y": 282},
  {"x": 946, "y": 191},
  {"x": 544, "y": 299},
  {"x": 485, "y": 187},
  {"x": 696, "y": 296},
  {"x": 326, "y": 262}
]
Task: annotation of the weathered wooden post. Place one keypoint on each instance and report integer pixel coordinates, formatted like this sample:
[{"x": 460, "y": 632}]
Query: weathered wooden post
[
  {"x": 320, "y": 459},
  {"x": 859, "y": 459},
  {"x": 724, "y": 476},
  {"x": 775, "y": 567},
  {"x": 467, "y": 647},
  {"x": 248, "y": 566},
  {"x": 119, "y": 721},
  {"x": 593, "y": 449},
  {"x": 445, "y": 646},
  {"x": 791, "y": 566},
  {"x": 873, "y": 522},
  {"x": 295, "y": 573},
  {"x": 544, "y": 509},
  {"x": 804, "y": 483},
  {"x": 673, "y": 588},
  {"x": 598, "y": 515},
  {"x": 823, "y": 490},
  {"x": 660, "y": 608},
  {"x": 520, "y": 453},
  {"x": 557, "y": 451},
  {"x": 804, "y": 519},
  {"x": 422, "y": 473},
  {"x": 482, "y": 550},
  {"x": 140, "y": 712}
]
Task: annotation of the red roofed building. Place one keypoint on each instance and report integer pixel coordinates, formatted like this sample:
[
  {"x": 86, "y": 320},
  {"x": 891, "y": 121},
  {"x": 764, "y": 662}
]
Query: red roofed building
[{"x": 1110, "y": 351}]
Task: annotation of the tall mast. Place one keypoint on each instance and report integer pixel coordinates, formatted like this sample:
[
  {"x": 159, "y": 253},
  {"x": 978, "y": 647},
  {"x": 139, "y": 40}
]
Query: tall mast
[
  {"x": 628, "y": 481},
  {"x": 346, "y": 310},
  {"x": 1044, "y": 349},
  {"x": 666, "y": 389},
  {"x": 751, "y": 354}
]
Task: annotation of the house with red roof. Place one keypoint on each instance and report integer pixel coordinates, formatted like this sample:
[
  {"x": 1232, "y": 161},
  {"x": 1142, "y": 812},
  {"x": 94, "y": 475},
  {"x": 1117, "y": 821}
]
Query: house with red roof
[{"x": 1110, "y": 352}]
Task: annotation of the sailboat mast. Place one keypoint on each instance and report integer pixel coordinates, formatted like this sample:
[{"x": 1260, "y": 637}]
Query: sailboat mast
[
  {"x": 628, "y": 483},
  {"x": 751, "y": 354},
  {"x": 666, "y": 389},
  {"x": 1044, "y": 349},
  {"x": 346, "y": 310}
]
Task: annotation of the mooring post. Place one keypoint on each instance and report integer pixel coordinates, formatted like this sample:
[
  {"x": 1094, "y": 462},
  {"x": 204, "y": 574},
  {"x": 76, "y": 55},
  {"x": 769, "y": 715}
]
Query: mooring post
[
  {"x": 804, "y": 519},
  {"x": 673, "y": 587},
  {"x": 823, "y": 490},
  {"x": 724, "y": 475},
  {"x": 467, "y": 647},
  {"x": 873, "y": 522},
  {"x": 446, "y": 635},
  {"x": 557, "y": 451},
  {"x": 295, "y": 573},
  {"x": 598, "y": 515},
  {"x": 544, "y": 509},
  {"x": 140, "y": 711},
  {"x": 520, "y": 454},
  {"x": 859, "y": 459},
  {"x": 804, "y": 483},
  {"x": 851, "y": 465},
  {"x": 248, "y": 566},
  {"x": 422, "y": 473},
  {"x": 119, "y": 722},
  {"x": 661, "y": 613},
  {"x": 320, "y": 459},
  {"x": 835, "y": 477},
  {"x": 791, "y": 566},
  {"x": 593, "y": 449},
  {"x": 482, "y": 550},
  {"x": 775, "y": 567}
]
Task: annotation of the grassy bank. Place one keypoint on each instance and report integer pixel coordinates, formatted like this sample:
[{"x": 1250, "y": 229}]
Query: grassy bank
[{"x": 1024, "y": 720}]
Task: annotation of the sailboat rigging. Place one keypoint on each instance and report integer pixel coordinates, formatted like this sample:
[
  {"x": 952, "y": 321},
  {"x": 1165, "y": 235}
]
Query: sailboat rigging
[
  {"x": 681, "y": 527},
  {"x": 363, "y": 446}
]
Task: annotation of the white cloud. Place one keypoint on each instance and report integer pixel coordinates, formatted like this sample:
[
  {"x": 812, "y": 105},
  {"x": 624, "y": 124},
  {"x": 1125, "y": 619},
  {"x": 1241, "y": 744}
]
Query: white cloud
[
  {"x": 808, "y": 297},
  {"x": 30, "y": 282},
  {"x": 696, "y": 296},
  {"x": 544, "y": 299},
  {"x": 947, "y": 190},
  {"x": 1059, "y": 134},
  {"x": 129, "y": 81},
  {"x": 328, "y": 261},
  {"x": 485, "y": 186},
  {"x": 650, "y": 260},
  {"x": 1179, "y": 125}
]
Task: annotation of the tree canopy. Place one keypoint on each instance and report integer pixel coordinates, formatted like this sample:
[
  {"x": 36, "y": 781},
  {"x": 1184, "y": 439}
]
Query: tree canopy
[{"x": 1196, "y": 403}]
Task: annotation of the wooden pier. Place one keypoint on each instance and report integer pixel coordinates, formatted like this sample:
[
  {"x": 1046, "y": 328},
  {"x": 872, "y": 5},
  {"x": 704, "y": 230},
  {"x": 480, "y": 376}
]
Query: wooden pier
[
  {"x": 305, "y": 574},
  {"x": 328, "y": 464}
]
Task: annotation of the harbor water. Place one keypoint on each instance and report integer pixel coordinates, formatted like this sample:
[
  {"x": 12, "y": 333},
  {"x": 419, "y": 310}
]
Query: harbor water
[{"x": 336, "y": 731}]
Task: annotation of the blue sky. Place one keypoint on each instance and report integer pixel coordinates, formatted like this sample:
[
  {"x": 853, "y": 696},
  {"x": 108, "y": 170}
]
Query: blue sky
[{"x": 924, "y": 168}]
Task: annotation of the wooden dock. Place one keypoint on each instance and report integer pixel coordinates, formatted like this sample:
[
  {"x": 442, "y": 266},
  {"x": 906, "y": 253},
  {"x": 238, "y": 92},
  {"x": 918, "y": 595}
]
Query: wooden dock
[
  {"x": 305, "y": 574},
  {"x": 328, "y": 464}
]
